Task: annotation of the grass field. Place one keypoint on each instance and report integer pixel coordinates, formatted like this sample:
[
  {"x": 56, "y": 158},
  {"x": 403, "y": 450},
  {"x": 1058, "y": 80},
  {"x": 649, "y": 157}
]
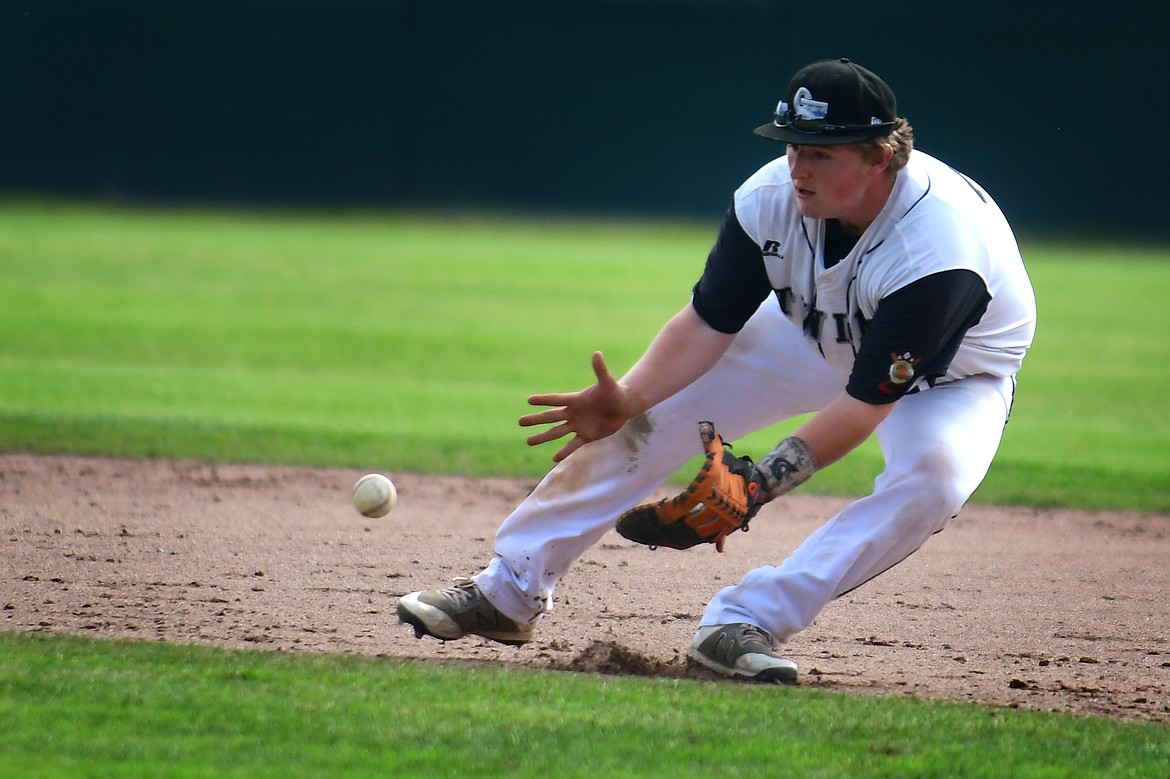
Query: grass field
[
  {"x": 409, "y": 343},
  {"x": 89, "y": 708}
]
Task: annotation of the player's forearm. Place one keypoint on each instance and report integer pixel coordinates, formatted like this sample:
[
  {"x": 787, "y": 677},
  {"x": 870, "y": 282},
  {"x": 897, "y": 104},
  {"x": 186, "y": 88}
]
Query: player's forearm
[
  {"x": 840, "y": 427},
  {"x": 828, "y": 436},
  {"x": 685, "y": 349}
]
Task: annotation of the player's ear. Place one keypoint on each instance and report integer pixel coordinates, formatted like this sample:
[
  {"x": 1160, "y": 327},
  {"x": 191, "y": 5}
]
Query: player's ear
[{"x": 878, "y": 154}]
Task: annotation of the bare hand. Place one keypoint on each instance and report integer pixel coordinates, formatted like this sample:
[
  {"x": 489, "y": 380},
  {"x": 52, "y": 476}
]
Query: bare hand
[{"x": 595, "y": 412}]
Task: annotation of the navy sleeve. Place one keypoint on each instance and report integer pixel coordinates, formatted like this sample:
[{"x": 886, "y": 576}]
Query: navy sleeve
[
  {"x": 915, "y": 333},
  {"x": 734, "y": 281}
]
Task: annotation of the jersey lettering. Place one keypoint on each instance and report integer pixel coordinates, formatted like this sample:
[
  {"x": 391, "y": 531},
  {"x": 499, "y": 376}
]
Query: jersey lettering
[
  {"x": 842, "y": 321},
  {"x": 784, "y": 298},
  {"x": 812, "y": 324}
]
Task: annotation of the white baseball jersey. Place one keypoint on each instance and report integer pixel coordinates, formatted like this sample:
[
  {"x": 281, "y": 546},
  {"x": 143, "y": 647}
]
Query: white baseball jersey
[{"x": 936, "y": 220}]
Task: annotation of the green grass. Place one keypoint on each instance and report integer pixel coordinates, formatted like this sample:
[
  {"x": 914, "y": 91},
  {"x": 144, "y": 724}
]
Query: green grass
[
  {"x": 393, "y": 342},
  {"x": 113, "y": 708},
  {"x": 1091, "y": 400},
  {"x": 408, "y": 343}
]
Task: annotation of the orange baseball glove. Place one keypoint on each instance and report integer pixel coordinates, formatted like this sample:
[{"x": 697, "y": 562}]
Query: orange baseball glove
[{"x": 723, "y": 498}]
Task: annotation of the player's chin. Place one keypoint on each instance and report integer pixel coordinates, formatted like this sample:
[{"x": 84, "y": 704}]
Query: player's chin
[{"x": 809, "y": 206}]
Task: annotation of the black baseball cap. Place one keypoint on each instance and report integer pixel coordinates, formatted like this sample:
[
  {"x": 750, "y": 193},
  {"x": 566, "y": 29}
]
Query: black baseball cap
[{"x": 831, "y": 102}]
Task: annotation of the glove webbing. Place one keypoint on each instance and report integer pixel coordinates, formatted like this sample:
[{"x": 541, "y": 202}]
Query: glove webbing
[{"x": 717, "y": 501}]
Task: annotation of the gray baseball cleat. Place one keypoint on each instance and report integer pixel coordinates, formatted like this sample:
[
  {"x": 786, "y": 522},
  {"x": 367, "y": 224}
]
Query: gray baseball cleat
[
  {"x": 460, "y": 611},
  {"x": 741, "y": 650}
]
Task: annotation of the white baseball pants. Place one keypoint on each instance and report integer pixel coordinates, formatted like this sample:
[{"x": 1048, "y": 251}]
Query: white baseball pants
[{"x": 937, "y": 445}]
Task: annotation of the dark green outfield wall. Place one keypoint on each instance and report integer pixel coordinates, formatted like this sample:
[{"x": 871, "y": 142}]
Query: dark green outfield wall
[{"x": 643, "y": 106}]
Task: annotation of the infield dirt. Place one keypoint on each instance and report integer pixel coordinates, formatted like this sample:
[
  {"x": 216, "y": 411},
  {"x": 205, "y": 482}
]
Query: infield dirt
[{"x": 1041, "y": 609}]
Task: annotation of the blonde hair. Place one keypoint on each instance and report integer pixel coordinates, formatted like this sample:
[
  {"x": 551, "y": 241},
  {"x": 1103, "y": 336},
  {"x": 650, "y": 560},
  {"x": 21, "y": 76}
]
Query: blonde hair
[{"x": 900, "y": 139}]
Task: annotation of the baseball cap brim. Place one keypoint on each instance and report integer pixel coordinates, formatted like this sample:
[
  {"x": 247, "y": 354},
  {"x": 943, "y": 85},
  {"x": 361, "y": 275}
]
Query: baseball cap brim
[{"x": 775, "y": 132}]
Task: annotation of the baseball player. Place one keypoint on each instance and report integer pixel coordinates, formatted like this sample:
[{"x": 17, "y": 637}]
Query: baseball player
[{"x": 854, "y": 277}]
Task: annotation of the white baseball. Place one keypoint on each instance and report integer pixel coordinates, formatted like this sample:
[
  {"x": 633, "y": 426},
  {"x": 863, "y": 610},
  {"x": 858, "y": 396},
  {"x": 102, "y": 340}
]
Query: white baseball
[{"x": 374, "y": 495}]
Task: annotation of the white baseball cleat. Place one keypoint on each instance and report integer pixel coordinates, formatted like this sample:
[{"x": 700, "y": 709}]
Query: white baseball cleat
[
  {"x": 743, "y": 651},
  {"x": 459, "y": 611}
]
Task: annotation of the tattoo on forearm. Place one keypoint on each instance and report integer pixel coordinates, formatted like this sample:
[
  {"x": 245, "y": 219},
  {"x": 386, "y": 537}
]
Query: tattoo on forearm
[{"x": 786, "y": 467}]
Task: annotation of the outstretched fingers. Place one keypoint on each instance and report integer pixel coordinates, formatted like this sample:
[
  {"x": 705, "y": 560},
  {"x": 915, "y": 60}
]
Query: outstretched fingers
[
  {"x": 601, "y": 371},
  {"x": 587, "y": 415},
  {"x": 575, "y": 443},
  {"x": 545, "y": 417},
  {"x": 551, "y": 434}
]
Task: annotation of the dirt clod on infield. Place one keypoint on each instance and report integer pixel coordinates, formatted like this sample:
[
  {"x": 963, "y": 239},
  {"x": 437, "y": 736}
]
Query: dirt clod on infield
[
  {"x": 613, "y": 659},
  {"x": 1040, "y": 609}
]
